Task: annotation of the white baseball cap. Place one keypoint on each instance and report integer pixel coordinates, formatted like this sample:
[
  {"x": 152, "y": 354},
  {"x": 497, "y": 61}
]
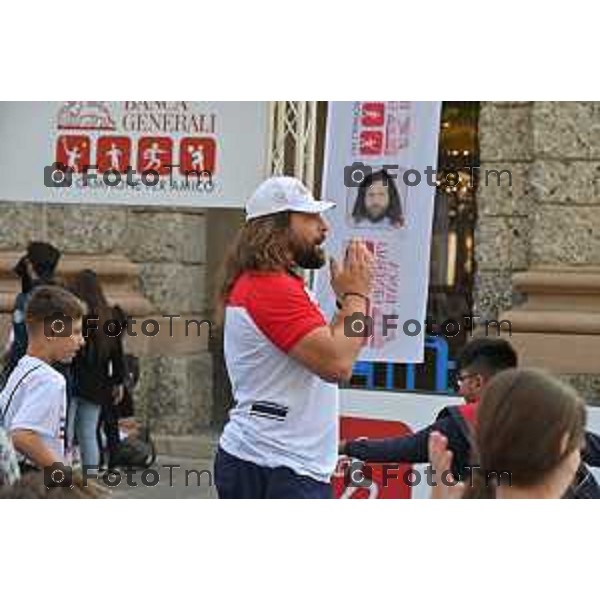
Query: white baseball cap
[{"x": 278, "y": 194}]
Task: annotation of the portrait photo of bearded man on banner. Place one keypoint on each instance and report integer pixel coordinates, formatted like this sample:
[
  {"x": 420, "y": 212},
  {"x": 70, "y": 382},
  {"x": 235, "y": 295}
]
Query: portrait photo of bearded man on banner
[{"x": 378, "y": 202}]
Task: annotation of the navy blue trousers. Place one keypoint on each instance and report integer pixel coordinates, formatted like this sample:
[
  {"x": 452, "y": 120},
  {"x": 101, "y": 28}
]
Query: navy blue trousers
[{"x": 237, "y": 478}]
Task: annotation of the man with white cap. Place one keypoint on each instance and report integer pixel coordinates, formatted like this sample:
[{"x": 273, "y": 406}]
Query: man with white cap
[{"x": 284, "y": 360}]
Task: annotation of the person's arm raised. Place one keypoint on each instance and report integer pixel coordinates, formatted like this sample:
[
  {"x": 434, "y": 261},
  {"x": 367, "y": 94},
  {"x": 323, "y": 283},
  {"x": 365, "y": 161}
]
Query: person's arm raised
[
  {"x": 328, "y": 351},
  {"x": 441, "y": 463}
]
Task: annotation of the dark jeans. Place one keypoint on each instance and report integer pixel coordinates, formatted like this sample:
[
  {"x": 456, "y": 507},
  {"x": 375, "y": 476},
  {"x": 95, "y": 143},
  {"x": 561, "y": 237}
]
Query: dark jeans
[
  {"x": 237, "y": 478},
  {"x": 109, "y": 421}
]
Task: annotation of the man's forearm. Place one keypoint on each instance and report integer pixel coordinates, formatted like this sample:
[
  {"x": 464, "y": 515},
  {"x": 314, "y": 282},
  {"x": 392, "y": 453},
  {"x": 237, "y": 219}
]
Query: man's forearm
[
  {"x": 29, "y": 443},
  {"x": 410, "y": 449},
  {"x": 348, "y": 347}
]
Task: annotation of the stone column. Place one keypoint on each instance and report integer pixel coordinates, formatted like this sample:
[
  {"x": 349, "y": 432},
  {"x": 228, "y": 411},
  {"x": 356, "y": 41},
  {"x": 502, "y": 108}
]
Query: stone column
[
  {"x": 170, "y": 247},
  {"x": 504, "y": 211},
  {"x": 538, "y": 242}
]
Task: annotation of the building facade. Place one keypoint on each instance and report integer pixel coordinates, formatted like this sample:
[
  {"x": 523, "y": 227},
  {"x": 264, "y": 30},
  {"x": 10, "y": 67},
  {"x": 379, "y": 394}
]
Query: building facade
[
  {"x": 537, "y": 242},
  {"x": 532, "y": 258}
]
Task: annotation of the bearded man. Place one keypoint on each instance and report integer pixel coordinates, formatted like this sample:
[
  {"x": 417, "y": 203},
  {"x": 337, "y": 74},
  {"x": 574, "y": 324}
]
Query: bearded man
[{"x": 284, "y": 360}]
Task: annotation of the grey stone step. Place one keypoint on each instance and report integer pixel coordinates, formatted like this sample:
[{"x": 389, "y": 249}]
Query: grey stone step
[{"x": 202, "y": 446}]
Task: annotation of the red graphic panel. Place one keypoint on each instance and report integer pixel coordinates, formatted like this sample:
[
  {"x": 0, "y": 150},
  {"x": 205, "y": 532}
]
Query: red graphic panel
[
  {"x": 113, "y": 153},
  {"x": 73, "y": 151},
  {"x": 373, "y": 114},
  {"x": 390, "y": 486},
  {"x": 197, "y": 154},
  {"x": 154, "y": 154},
  {"x": 371, "y": 142}
]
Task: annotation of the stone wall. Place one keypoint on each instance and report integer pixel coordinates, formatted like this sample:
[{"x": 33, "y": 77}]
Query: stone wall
[
  {"x": 550, "y": 217},
  {"x": 502, "y": 237},
  {"x": 169, "y": 248}
]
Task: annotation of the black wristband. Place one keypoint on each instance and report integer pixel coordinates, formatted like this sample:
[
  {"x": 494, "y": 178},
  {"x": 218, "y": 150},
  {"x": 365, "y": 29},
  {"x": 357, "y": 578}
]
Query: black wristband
[
  {"x": 365, "y": 298},
  {"x": 338, "y": 301}
]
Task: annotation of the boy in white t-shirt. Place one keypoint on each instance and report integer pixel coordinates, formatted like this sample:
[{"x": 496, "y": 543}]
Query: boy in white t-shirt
[{"x": 33, "y": 402}]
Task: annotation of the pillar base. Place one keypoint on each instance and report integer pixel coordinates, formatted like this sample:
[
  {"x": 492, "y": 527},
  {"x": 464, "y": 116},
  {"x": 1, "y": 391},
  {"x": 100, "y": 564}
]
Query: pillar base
[{"x": 558, "y": 326}]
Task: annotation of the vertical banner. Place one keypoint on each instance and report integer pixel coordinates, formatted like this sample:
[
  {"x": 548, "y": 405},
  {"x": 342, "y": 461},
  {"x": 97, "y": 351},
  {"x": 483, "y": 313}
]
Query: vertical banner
[{"x": 380, "y": 169}]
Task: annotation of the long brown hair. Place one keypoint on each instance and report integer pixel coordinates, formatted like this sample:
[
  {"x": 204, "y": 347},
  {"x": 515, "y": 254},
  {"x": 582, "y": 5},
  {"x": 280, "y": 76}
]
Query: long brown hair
[
  {"x": 522, "y": 422},
  {"x": 263, "y": 244},
  {"x": 86, "y": 286}
]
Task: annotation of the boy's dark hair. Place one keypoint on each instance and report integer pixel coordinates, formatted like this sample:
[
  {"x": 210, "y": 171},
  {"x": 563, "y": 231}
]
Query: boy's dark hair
[
  {"x": 51, "y": 300},
  {"x": 488, "y": 356},
  {"x": 43, "y": 257}
]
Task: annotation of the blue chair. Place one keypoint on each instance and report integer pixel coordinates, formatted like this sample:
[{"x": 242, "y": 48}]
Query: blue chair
[
  {"x": 442, "y": 367},
  {"x": 366, "y": 369},
  {"x": 440, "y": 346}
]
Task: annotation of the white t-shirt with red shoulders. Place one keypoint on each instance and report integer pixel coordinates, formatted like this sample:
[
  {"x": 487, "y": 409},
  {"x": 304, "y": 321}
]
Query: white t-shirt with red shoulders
[{"x": 284, "y": 414}]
